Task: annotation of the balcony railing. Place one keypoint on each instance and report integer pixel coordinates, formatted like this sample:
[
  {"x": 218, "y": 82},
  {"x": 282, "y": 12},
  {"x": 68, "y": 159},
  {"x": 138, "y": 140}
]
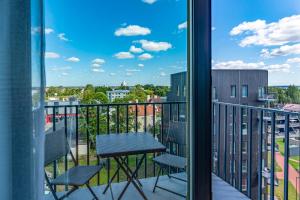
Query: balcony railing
[
  {"x": 83, "y": 122},
  {"x": 249, "y": 154}
]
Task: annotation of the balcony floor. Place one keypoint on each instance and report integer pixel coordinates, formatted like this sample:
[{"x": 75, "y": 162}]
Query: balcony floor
[{"x": 221, "y": 190}]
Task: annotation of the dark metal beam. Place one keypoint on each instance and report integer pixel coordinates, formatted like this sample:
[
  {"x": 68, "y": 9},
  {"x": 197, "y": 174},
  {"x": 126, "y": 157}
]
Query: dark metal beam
[{"x": 200, "y": 98}]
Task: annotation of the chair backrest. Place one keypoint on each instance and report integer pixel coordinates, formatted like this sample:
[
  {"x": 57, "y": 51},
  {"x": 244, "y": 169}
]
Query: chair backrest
[
  {"x": 176, "y": 132},
  {"x": 56, "y": 146}
]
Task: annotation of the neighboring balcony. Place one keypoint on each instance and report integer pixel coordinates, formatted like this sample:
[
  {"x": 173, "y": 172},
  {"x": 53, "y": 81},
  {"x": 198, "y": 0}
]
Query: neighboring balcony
[
  {"x": 235, "y": 164},
  {"x": 267, "y": 98},
  {"x": 256, "y": 150}
]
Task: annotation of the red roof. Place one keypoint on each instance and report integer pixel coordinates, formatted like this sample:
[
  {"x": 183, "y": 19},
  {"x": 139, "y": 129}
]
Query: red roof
[{"x": 292, "y": 107}]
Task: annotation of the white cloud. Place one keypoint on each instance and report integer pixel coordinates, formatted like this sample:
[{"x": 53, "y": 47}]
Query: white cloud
[
  {"x": 98, "y": 70},
  {"x": 149, "y": 1},
  {"x": 98, "y": 61},
  {"x": 48, "y": 31},
  {"x": 124, "y": 55},
  {"x": 51, "y": 55},
  {"x": 134, "y": 49},
  {"x": 239, "y": 64},
  {"x": 278, "y": 68},
  {"x": 96, "y": 65},
  {"x": 35, "y": 30},
  {"x": 281, "y": 51},
  {"x": 62, "y": 36},
  {"x": 65, "y": 74},
  {"x": 129, "y": 74},
  {"x": 155, "y": 46},
  {"x": 145, "y": 56},
  {"x": 132, "y": 30},
  {"x": 293, "y": 60},
  {"x": 182, "y": 25},
  {"x": 112, "y": 74},
  {"x": 162, "y": 74},
  {"x": 65, "y": 68},
  {"x": 133, "y": 70},
  {"x": 213, "y": 28},
  {"x": 259, "y": 32},
  {"x": 73, "y": 59},
  {"x": 141, "y": 65}
]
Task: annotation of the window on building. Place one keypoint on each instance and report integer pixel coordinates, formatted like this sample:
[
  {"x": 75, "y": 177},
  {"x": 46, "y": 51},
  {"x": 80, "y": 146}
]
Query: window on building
[
  {"x": 244, "y": 112},
  {"x": 244, "y": 91},
  {"x": 178, "y": 93},
  {"x": 244, "y": 184},
  {"x": 184, "y": 91},
  {"x": 261, "y": 92},
  {"x": 233, "y": 91},
  {"x": 214, "y": 93},
  {"x": 244, "y": 166},
  {"x": 244, "y": 128},
  {"x": 244, "y": 147}
]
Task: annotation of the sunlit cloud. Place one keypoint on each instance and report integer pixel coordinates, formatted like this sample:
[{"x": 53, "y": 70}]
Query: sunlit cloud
[
  {"x": 73, "y": 59},
  {"x": 182, "y": 25},
  {"x": 134, "y": 49},
  {"x": 62, "y": 36},
  {"x": 149, "y": 1},
  {"x": 145, "y": 56},
  {"x": 124, "y": 55},
  {"x": 132, "y": 30},
  {"x": 51, "y": 55},
  {"x": 281, "y": 51},
  {"x": 155, "y": 46},
  {"x": 261, "y": 33},
  {"x": 48, "y": 31}
]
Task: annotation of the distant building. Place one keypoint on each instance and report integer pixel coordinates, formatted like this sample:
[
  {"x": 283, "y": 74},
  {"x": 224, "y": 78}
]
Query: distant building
[
  {"x": 60, "y": 111},
  {"x": 240, "y": 86},
  {"x": 246, "y": 87},
  {"x": 112, "y": 95},
  {"x": 124, "y": 83},
  {"x": 291, "y": 107}
]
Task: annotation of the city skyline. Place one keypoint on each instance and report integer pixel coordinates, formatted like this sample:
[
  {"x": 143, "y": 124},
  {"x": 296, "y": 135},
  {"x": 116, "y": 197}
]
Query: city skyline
[{"x": 105, "y": 43}]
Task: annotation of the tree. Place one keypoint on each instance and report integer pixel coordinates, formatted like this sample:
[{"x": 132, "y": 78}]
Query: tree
[
  {"x": 103, "y": 89},
  {"x": 100, "y": 97},
  {"x": 294, "y": 93},
  {"x": 289, "y": 95},
  {"x": 88, "y": 97}
]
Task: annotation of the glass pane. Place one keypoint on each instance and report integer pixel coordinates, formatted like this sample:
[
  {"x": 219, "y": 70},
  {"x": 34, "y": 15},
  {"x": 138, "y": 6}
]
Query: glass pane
[
  {"x": 250, "y": 51},
  {"x": 119, "y": 67}
]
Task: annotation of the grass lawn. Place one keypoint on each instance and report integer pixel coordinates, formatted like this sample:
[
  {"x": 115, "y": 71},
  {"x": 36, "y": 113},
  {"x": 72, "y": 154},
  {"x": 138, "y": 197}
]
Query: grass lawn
[
  {"x": 294, "y": 160},
  {"x": 277, "y": 167},
  {"x": 280, "y": 144},
  {"x": 295, "y": 164},
  {"x": 279, "y": 191}
]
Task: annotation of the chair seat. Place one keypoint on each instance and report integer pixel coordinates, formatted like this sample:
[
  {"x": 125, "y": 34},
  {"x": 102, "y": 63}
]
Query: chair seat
[
  {"x": 77, "y": 176},
  {"x": 171, "y": 160}
]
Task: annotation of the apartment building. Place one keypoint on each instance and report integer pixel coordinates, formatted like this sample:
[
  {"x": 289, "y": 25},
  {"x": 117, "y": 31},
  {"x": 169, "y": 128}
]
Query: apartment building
[
  {"x": 114, "y": 94},
  {"x": 236, "y": 86}
]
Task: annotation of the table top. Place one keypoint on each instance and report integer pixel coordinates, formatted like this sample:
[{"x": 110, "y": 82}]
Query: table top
[{"x": 123, "y": 144}]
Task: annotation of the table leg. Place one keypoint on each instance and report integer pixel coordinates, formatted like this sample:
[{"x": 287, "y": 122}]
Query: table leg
[
  {"x": 135, "y": 171},
  {"x": 112, "y": 179},
  {"x": 131, "y": 178}
]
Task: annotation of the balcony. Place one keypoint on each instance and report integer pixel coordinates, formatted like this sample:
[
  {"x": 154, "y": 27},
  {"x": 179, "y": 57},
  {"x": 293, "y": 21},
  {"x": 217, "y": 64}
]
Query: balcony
[
  {"x": 243, "y": 165},
  {"x": 267, "y": 97}
]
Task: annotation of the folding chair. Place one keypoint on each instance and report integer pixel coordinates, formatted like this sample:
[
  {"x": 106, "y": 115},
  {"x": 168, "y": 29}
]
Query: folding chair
[
  {"x": 56, "y": 147},
  {"x": 175, "y": 135}
]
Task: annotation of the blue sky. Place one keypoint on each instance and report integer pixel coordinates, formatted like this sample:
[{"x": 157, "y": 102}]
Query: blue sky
[{"x": 89, "y": 41}]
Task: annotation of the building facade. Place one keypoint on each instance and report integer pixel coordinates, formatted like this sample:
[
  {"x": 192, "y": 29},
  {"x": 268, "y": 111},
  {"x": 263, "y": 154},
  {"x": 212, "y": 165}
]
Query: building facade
[
  {"x": 245, "y": 87},
  {"x": 116, "y": 94}
]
